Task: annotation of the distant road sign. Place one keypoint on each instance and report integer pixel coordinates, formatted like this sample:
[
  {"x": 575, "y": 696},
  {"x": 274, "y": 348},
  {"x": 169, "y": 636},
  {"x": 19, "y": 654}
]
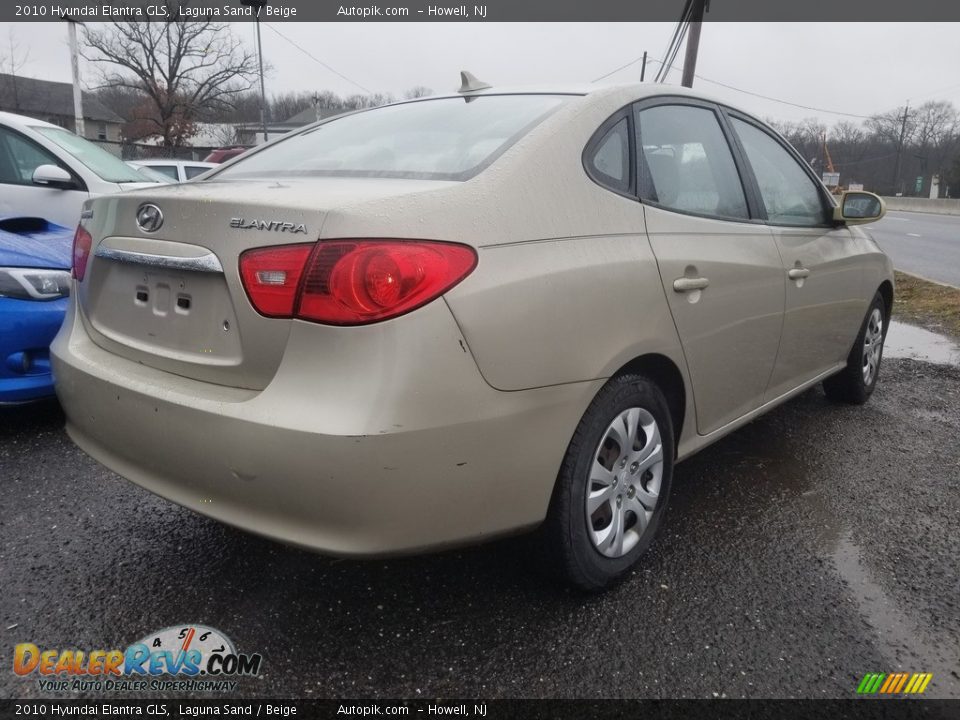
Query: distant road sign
[
  {"x": 831, "y": 179},
  {"x": 855, "y": 187},
  {"x": 919, "y": 183}
]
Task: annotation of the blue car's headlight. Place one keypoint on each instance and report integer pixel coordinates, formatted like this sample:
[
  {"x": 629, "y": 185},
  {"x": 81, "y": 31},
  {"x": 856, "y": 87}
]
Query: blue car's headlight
[{"x": 34, "y": 283}]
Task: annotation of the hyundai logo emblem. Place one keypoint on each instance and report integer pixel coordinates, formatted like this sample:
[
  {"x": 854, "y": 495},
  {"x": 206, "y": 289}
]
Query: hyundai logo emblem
[{"x": 149, "y": 217}]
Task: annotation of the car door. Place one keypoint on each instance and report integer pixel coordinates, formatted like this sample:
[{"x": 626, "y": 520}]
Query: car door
[
  {"x": 824, "y": 297},
  {"x": 19, "y": 158},
  {"x": 720, "y": 268}
]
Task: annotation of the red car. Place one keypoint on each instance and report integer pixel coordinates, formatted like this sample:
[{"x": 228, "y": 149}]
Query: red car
[{"x": 223, "y": 154}]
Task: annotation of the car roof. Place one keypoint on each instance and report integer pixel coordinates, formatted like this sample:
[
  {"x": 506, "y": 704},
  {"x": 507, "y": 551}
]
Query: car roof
[
  {"x": 631, "y": 91},
  {"x": 21, "y": 121},
  {"x": 172, "y": 161}
]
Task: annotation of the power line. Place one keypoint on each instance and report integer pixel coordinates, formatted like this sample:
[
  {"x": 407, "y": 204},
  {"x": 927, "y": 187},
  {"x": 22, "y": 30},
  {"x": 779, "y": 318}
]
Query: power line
[
  {"x": 319, "y": 61},
  {"x": 731, "y": 87},
  {"x": 671, "y": 52},
  {"x": 783, "y": 102},
  {"x": 622, "y": 67}
]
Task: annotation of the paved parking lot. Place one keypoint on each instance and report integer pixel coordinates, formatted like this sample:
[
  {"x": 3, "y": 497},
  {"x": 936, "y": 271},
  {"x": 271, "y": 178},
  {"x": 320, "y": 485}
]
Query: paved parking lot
[{"x": 815, "y": 545}]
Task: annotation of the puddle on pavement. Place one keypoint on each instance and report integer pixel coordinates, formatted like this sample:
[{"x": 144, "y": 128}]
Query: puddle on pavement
[{"x": 914, "y": 343}]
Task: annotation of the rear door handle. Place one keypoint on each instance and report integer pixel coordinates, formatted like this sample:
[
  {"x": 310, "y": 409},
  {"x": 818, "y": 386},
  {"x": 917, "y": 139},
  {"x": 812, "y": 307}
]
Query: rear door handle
[
  {"x": 685, "y": 284},
  {"x": 798, "y": 273}
]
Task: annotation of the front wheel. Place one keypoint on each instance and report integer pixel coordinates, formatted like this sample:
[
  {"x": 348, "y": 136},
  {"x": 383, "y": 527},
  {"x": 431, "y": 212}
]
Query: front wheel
[
  {"x": 613, "y": 485},
  {"x": 857, "y": 381}
]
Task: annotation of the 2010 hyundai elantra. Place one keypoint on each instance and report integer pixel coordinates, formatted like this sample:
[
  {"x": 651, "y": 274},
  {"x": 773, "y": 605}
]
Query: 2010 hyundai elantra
[{"x": 453, "y": 318}]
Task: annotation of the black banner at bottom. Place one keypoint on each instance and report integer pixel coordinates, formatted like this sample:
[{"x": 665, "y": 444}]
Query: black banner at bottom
[{"x": 892, "y": 709}]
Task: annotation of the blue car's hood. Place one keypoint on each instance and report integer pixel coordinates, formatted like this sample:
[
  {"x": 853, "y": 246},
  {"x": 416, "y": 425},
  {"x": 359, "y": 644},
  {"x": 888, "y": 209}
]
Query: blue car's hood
[{"x": 33, "y": 242}]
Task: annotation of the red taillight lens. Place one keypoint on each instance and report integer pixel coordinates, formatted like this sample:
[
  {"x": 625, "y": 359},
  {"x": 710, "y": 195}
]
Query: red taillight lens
[
  {"x": 271, "y": 277},
  {"x": 82, "y": 242},
  {"x": 354, "y": 282}
]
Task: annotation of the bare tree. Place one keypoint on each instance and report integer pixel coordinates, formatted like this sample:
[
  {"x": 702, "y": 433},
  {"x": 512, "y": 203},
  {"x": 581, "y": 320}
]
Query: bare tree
[
  {"x": 361, "y": 102},
  {"x": 12, "y": 62},
  {"x": 418, "y": 91},
  {"x": 183, "y": 67}
]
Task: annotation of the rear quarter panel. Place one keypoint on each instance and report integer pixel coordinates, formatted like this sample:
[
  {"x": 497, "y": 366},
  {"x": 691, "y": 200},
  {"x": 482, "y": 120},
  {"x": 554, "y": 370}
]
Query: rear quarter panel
[{"x": 567, "y": 288}]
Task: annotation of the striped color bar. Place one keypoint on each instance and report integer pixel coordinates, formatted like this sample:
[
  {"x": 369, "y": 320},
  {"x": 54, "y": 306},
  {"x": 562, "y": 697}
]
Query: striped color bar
[{"x": 894, "y": 683}]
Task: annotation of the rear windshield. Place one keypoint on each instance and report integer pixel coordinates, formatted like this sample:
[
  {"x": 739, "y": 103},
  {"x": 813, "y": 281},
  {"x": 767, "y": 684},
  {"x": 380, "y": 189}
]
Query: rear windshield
[
  {"x": 442, "y": 139},
  {"x": 107, "y": 167}
]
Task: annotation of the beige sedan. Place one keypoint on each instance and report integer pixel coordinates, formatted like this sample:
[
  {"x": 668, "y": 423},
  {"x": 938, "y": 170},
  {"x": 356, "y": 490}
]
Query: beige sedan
[{"x": 458, "y": 317}]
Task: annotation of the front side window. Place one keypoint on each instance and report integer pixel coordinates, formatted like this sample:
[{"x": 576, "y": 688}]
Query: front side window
[
  {"x": 788, "y": 193},
  {"x": 686, "y": 163},
  {"x": 107, "y": 167},
  {"x": 441, "y": 139},
  {"x": 19, "y": 158}
]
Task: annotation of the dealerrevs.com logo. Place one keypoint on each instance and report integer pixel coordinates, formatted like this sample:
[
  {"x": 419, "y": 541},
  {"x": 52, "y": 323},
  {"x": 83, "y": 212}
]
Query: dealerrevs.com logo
[{"x": 181, "y": 658}]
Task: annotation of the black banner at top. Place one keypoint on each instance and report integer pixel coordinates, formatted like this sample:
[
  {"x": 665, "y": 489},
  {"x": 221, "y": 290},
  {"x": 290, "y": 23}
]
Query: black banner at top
[{"x": 483, "y": 11}]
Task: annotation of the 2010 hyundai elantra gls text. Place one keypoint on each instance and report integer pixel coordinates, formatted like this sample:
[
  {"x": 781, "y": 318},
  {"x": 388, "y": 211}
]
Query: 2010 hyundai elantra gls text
[{"x": 449, "y": 319}]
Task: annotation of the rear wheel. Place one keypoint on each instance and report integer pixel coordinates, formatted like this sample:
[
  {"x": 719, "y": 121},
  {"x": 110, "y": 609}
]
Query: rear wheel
[
  {"x": 613, "y": 486},
  {"x": 857, "y": 381}
]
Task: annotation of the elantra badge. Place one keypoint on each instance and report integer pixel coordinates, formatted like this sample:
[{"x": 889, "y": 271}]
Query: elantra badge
[{"x": 272, "y": 225}]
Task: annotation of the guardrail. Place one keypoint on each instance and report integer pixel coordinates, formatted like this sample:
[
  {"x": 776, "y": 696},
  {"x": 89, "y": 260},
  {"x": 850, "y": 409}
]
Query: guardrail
[{"x": 924, "y": 205}]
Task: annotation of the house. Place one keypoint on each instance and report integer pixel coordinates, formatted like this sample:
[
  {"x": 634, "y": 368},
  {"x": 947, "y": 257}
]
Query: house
[
  {"x": 53, "y": 102},
  {"x": 252, "y": 133}
]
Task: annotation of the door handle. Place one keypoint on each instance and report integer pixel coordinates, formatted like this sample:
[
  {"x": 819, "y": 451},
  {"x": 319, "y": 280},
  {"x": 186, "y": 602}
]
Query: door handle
[
  {"x": 798, "y": 273},
  {"x": 685, "y": 284}
]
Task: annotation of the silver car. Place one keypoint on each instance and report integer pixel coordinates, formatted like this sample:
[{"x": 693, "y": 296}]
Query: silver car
[{"x": 459, "y": 317}]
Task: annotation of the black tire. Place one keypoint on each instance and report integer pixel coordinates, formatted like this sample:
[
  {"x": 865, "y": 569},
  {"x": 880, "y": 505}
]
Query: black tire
[
  {"x": 565, "y": 537},
  {"x": 850, "y": 384}
]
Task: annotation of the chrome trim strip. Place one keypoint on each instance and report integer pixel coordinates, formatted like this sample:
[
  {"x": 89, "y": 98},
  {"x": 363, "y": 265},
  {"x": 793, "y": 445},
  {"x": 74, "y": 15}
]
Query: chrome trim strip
[{"x": 204, "y": 263}]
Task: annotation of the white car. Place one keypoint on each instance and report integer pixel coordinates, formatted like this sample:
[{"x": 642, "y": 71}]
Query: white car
[
  {"x": 47, "y": 171},
  {"x": 176, "y": 170}
]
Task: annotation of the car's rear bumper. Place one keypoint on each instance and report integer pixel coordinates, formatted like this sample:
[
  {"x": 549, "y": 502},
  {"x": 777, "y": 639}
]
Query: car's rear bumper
[
  {"x": 372, "y": 455},
  {"x": 26, "y": 329}
]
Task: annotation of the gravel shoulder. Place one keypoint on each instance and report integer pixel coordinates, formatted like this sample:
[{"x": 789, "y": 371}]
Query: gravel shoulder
[{"x": 812, "y": 546}]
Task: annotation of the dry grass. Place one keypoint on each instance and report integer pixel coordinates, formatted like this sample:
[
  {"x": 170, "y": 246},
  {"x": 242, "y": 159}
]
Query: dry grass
[{"x": 935, "y": 307}]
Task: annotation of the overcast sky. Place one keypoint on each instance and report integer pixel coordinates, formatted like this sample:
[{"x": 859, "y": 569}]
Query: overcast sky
[{"x": 854, "y": 68}]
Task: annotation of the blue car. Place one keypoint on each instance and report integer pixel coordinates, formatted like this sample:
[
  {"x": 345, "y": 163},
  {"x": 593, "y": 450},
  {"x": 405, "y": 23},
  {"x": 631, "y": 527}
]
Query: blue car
[{"x": 35, "y": 259}]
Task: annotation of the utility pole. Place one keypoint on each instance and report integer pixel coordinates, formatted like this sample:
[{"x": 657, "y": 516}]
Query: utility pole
[
  {"x": 643, "y": 68},
  {"x": 78, "y": 126},
  {"x": 693, "y": 41},
  {"x": 258, "y": 6},
  {"x": 903, "y": 133}
]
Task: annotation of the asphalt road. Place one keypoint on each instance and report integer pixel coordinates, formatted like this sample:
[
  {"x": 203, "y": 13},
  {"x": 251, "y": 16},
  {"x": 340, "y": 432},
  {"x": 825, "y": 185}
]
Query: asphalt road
[
  {"x": 815, "y": 545},
  {"x": 922, "y": 244}
]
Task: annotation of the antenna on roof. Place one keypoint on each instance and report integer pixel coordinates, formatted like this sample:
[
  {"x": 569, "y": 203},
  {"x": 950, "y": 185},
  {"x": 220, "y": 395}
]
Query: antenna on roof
[{"x": 469, "y": 83}]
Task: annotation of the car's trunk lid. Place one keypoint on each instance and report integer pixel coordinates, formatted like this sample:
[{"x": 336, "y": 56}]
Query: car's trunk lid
[{"x": 172, "y": 298}]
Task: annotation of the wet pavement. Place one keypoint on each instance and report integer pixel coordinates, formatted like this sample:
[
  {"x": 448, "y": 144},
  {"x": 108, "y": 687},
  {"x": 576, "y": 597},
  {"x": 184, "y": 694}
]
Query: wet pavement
[
  {"x": 815, "y": 545},
  {"x": 923, "y": 244}
]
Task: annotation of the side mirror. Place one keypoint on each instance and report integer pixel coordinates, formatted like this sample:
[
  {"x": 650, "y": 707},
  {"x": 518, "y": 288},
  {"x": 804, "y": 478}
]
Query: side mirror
[
  {"x": 53, "y": 176},
  {"x": 857, "y": 208}
]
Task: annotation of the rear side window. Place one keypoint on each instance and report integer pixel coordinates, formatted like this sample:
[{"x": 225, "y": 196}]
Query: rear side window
[
  {"x": 610, "y": 161},
  {"x": 441, "y": 139},
  {"x": 686, "y": 164},
  {"x": 169, "y": 170},
  {"x": 192, "y": 171},
  {"x": 788, "y": 192}
]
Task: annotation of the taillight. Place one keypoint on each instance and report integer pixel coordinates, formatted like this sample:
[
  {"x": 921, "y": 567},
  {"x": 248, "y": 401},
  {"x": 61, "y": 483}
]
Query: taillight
[
  {"x": 271, "y": 277},
  {"x": 82, "y": 242},
  {"x": 352, "y": 282}
]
